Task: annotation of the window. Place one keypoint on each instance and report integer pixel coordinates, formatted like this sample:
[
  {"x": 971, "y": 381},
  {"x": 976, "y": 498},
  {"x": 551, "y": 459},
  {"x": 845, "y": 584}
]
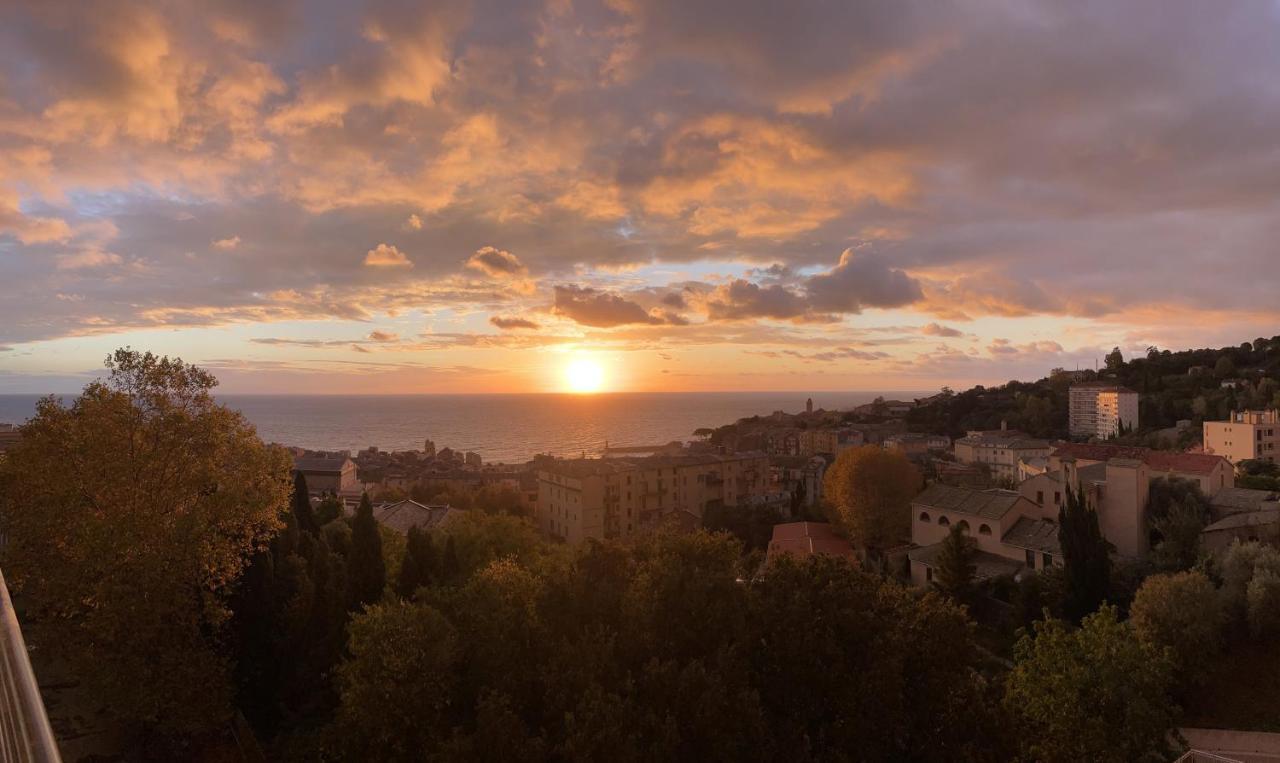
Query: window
[
  {"x": 984, "y": 529},
  {"x": 1057, "y": 497},
  {"x": 1040, "y": 497},
  {"x": 928, "y": 574},
  {"x": 1046, "y": 561},
  {"x": 1031, "y": 559},
  {"x": 944, "y": 522},
  {"x": 964, "y": 526},
  {"x": 924, "y": 516}
]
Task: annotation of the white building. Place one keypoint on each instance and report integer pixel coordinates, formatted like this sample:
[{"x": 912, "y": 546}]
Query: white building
[{"x": 1100, "y": 409}]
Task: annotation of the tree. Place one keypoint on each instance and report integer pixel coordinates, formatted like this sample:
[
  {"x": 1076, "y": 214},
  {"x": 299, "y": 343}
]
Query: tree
[
  {"x": 1176, "y": 512},
  {"x": 1086, "y": 555},
  {"x": 367, "y": 569},
  {"x": 1115, "y": 360},
  {"x": 130, "y": 515},
  {"x": 870, "y": 489},
  {"x": 450, "y": 567},
  {"x": 417, "y": 569},
  {"x": 1180, "y": 611},
  {"x": 955, "y": 567},
  {"x": 1096, "y": 693},
  {"x": 301, "y": 503},
  {"x": 397, "y": 686},
  {"x": 1224, "y": 368},
  {"x": 1240, "y": 565}
]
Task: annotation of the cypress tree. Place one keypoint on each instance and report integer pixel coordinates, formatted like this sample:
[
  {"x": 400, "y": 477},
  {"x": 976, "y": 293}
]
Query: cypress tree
[
  {"x": 367, "y": 571},
  {"x": 956, "y": 569},
  {"x": 1086, "y": 556},
  {"x": 410, "y": 577},
  {"x": 302, "y": 505},
  {"x": 450, "y": 568}
]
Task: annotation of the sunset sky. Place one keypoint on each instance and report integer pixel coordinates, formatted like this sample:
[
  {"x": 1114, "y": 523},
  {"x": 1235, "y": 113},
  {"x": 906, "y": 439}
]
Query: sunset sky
[{"x": 718, "y": 195}]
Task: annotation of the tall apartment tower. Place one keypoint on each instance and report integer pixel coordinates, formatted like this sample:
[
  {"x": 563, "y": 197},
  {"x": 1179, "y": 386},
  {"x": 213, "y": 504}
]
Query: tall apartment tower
[
  {"x": 1246, "y": 435},
  {"x": 1101, "y": 409}
]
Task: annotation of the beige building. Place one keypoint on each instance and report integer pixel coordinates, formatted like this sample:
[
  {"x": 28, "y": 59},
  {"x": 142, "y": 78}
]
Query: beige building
[
  {"x": 1000, "y": 450},
  {"x": 915, "y": 444},
  {"x": 1117, "y": 482},
  {"x": 616, "y": 498},
  {"x": 1211, "y": 472},
  {"x": 1100, "y": 409},
  {"x": 1011, "y": 533},
  {"x": 1246, "y": 435},
  {"x": 328, "y": 474}
]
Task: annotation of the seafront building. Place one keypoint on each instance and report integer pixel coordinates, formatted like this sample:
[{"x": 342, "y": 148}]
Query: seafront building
[
  {"x": 1244, "y": 436},
  {"x": 617, "y": 498},
  {"x": 1101, "y": 409}
]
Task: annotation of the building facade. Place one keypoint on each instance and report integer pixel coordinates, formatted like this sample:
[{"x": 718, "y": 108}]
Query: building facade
[
  {"x": 1246, "y": 435},
  {"x": 1000, "y": 450},
  {"x": 1101, "y": 410},
  {"x": 328, "y": 474},
  {"x": 1010, "y": 533},
  {"x": 617, "y": 498}
]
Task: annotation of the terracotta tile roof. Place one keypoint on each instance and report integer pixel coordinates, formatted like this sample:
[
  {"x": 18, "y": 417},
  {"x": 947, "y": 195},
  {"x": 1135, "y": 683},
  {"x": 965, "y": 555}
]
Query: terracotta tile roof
[
  {"x": 1158, "y": 460},
  {"x": 808, "y": 538},
  {"x": 402, "y": 515},
  {"x": 1035, "y": 534},
  {"x": 987, "y": 565},
  {"x": 988, "y": 504}
]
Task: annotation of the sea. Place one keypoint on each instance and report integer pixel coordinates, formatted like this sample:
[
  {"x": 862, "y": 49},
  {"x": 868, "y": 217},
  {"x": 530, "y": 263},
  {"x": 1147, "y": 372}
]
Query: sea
[{"x": 509, "y": 428}]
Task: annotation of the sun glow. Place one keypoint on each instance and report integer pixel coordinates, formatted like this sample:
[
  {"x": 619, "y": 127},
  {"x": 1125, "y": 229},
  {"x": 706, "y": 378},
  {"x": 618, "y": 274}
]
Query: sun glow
[{"x": 584, "y": 376}]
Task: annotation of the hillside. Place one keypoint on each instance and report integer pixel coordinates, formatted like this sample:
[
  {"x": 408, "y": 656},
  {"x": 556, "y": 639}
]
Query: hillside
[{"x": 1184, "y": 385}]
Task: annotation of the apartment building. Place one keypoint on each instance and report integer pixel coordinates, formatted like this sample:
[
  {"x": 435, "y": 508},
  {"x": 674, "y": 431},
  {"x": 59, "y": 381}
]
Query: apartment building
[
  {"x": 1101, "y": 409},
  {"x": 1000, "y": 450},
  {"x": 1246, "y": 435},
  {"x": 616, "y": 498},
  {"x": 1011, "y": 533}
]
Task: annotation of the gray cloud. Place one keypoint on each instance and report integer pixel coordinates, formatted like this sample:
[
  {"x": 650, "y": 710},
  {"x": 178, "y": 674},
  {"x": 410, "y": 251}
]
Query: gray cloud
[{"x": 512, "y": 323}]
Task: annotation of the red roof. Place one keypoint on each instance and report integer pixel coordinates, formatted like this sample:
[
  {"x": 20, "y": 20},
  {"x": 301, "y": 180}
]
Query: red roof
[
  {"x": 808, "y": 538},
  {"x": 1157, "y": 460}
]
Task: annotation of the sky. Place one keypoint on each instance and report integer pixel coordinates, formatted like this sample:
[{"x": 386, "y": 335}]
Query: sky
[{"x": 346, "y": 197}]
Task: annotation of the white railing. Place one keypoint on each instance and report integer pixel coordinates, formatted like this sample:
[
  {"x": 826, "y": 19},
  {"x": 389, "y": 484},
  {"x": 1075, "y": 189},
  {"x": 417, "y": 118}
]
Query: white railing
[{"x": 25, "y": 734}]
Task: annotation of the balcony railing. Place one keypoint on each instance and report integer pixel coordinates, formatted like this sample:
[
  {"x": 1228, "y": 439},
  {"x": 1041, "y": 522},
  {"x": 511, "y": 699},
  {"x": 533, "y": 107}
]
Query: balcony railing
[{"x": 25, "y": 734}]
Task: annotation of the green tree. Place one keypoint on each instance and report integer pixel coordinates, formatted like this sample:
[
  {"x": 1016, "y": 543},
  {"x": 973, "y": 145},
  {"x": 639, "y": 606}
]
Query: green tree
[
  {"x": 1176, "y": 512},
  {"x": 1096, "y": 693},
  {"x": 1224, "y": 368},
  {"x": 301, "y": 503},
  {"x": 418, "y": 568},
  {"x": 367, "y": 570},
  {"x": 955, "y": 564},
  {"x": 1115, "y": 360},
  {"x": 398, "y": 684},
  {"x": 1086, "y": 556},
  {"x": 130, "y": 515},
  {"x": 1180, "y": 611},
  {"x": 870, "y": 490},
  {"x": 450, "y": 567}
]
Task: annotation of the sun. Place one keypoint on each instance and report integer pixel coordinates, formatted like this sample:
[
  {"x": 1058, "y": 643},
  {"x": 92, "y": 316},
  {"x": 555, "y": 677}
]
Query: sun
[{"x": 584, "y": 376}]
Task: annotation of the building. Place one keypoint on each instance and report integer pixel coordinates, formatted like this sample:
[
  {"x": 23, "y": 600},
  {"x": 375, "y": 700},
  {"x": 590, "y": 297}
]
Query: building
[
  {"x": 1211, "y": 472},
  {"x": 1246, "y": 435},
  {"x": 617, "y": 498},
  {"x": 804, "y": 539},
  {"x": 1241, "y": 514},
  {"x": 913, "y": 444},
  {"x": 402, "y": 515},
  {"x": 10, "y": 435},
  {"x": 1011, "y": 534},
  {"x": 1101, "y": 409},
  {"x": 812, "y": 442},
  {"x": 1000, "y": 450},
  {"x": 328, "y": 473},
  {"x": 1116, "y": 481}
]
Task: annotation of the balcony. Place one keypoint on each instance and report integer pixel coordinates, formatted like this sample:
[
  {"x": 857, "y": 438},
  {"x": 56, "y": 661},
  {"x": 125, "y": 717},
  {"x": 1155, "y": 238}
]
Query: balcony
[{"x": 25, "y": 735}]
